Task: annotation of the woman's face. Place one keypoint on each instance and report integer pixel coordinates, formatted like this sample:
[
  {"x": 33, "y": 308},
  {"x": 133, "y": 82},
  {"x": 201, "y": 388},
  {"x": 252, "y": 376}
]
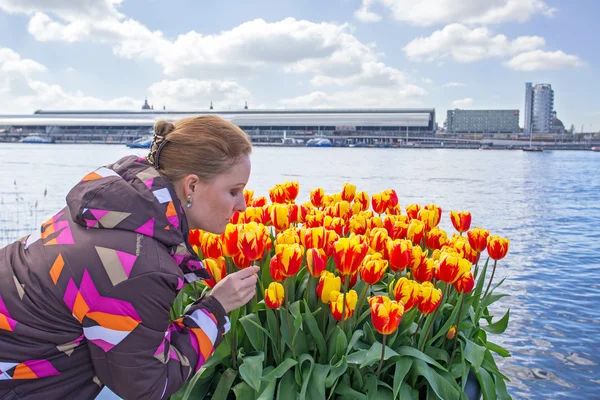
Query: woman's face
[{"x": 215, "y": 202}]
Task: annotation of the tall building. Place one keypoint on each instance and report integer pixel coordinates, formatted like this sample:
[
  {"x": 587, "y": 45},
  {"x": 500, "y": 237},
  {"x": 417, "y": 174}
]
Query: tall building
[
  {"x": 483, "y": 121},
  {"x": 539, "y": 108}
]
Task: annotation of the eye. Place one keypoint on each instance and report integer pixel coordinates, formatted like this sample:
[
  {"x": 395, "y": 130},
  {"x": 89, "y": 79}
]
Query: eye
[{"x": 234, "y": 193}]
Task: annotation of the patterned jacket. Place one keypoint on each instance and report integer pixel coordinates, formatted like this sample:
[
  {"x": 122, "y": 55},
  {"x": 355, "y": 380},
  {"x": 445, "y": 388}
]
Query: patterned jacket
[{"x": 85, "y": 301}]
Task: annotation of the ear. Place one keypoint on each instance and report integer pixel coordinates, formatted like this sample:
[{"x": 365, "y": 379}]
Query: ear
[{"x": 190, "y": 183}]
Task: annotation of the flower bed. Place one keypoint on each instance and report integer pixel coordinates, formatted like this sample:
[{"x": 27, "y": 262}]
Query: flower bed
[{"x": 352, "y": 302}]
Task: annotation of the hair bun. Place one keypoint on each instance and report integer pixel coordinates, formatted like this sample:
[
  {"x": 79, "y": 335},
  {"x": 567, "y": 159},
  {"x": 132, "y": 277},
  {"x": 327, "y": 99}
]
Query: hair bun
[{"x": 162, "y": 128}]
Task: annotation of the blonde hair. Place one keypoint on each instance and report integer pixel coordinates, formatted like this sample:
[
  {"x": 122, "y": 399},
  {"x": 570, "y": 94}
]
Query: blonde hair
[{"x": 206, "y": 146}]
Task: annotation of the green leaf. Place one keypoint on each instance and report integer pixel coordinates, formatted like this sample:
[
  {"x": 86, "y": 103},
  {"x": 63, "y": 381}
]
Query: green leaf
[
  {"x": 499, "y": 326},
  {"x": 254, "y": 331},
  {"x": 407, "y": 321},
  {"x": 491, "y": 299},
  {"x": 224, "y": 385},
  {"x": 501, "y": 390},
  {"x": 487, "y": 384},
  {"x": 316, "y": 386},
  {"x": 300, "y": 342},
  {"x": 303, "y": 373},
  {"x": 275, "y": 331},
  {"x": 474, "y": 353},
  {"x": 358, "y": 357},
  {"x": 295, "y": 311},
  {"x": 406, "y": 392},
  {"x": 221, "y": 352},
  {"x": 442, "y": 388},
  {"x": 336, "y": 371},
  {"x": 438, "y": 354},
  {"x": 370, "y": 387},
  {"x": 449, "y": 322},
  {"x": 356, "y": 336},
  {"x": 280, "y": 370},
  {"x": 243, "y": 391},
  {"x": 501, "y": 351},
  {"x": 337, "y": 344},
  {"x": 402, "y": 367},
  {"x": 268, "y": 392},
  {"x": 251, "y": 370},
  {"x": 374, "y": 354},
  {"x": 369, "y": 334},
  {"x": 344, "y": 390},
  {"x": 315, "y": 333},
  {"x": 479, "y": 287},
  {"x": 287, "y": 388},
  {"x": 414, "y": 353}
]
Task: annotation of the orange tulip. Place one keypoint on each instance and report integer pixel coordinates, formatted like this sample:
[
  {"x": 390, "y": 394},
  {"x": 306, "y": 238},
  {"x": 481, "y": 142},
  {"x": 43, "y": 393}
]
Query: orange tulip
[
  {"x": 451, "y": 332},
  {"x": 451, "y": 267},
  {"x": 274, "y": 295},
  {"x": 348, "y": 254},
  {"x": 259, "y": 201},
  {"x": 316, "y": 261},
  {"x": 291, "y": 191},
  {"x": 336, "y": 302},
  {"x": 386, "y": 314},
  {"x": 362, "y": 198},
  {"x": 429, "y": 298},
  {"x": 478, "y": 239},
  {"x": 373, "y": 268},
  {"x": 277, "y": 194},
  {"x": 497, "y": 247},
  {"x": 461, "y": 220},
  {"x": 358, "y": 224},
  {"x": 229, "y": 240},
  {"x": 328, "y": 283},
  {"x": 316, "y": 197},
  {"x": 436, "y": 238},
  {"x": 248, "y": 195},
  {"x": 400, "y": 253},
  {"x": 407, "y": 291},
  {"x": 416, "y": 231},
  {"x": 412, "y": 210},
  {"x": 348, "y": 192},
  {"x": 280, "y": 216},
  {"x": 217, "y": 268},
  {"x": 289, "y": 257},
  {"x": 252, "y": 239},
  {"x": 465, "y": 283}
]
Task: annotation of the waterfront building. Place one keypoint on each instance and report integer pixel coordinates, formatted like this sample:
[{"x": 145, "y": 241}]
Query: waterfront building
[
  {"x": 483, "y": 121},
  {"x": 539, "y": 108}
]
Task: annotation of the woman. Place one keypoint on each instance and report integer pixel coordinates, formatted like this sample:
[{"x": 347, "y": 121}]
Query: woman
[{"x": 85, "y": 301}]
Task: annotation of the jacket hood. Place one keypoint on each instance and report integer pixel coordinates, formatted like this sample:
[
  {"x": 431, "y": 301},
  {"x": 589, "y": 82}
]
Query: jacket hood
[{"x": 130, "y": 195}]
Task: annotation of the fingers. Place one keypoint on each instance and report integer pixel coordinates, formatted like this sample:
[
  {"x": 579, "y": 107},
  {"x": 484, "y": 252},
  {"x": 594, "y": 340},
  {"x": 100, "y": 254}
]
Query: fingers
[{"x": 247, "y": 272}]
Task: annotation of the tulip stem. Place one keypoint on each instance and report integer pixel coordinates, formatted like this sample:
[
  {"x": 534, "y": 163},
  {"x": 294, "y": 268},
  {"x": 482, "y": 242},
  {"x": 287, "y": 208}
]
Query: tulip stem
[
  {"x": 287, "y": 315},
  {"x": 476, "y": 268},
  {"x": 429, "y": 329},
  {"x": 346, "y": 285},
  {"x": 382, "y": 356},
  {"x": 361, "y": 300},
  {"x": 491, "y": 279},
  {"x": 462, "y": 301},
  {"x": 324, "y": 320}
]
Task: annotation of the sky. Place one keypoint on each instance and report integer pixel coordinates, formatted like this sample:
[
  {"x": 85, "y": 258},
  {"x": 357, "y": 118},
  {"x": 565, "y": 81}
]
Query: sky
[{"x": 291, "y": 54}]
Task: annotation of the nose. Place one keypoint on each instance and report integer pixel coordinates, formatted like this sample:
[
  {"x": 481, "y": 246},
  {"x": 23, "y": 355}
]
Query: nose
[{"x": 240, "y": 205}]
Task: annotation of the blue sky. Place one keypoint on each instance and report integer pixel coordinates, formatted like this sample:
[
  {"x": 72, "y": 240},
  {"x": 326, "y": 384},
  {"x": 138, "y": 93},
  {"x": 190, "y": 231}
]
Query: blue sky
[{"x": 107, "y": 54}]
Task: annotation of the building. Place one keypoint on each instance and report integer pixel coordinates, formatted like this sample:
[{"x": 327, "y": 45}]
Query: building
[
  {"x": 539, "y": 108},
  {"x": 483, "y": 121},
  {"x": 374, "y": 125}
]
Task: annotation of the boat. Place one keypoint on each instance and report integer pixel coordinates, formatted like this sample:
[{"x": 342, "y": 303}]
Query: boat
[
  {"x": 319, "y": 142},
  {"x": 596, "y": 148},
  {"x": 36, "y": 139},
  {"x": 531, "y": 148},
  {"x": 141, "y": 143}
]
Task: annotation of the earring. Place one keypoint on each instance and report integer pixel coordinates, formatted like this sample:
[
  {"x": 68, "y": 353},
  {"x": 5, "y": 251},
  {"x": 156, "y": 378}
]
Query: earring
[{"x": 189, "y": 201}]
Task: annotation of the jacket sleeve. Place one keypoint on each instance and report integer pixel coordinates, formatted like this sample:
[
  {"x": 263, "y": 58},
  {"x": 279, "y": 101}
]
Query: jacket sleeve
[{"x": 136, "y": 351}]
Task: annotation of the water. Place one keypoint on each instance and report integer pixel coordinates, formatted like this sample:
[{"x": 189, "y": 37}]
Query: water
[{"x": 547, "y": 203}]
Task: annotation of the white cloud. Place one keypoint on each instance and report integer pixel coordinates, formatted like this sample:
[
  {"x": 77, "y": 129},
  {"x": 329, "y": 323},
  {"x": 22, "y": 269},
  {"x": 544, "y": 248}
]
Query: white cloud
[
  {"x": 464, "y": 44},
  {"x": 68, "y": 9},
  {"x": 405, "y": 96},
  {"x": 453, "y": 84},
  {"x": 427, "y": 81},
  {"x": 11, "y": 62},
  {"x": 431, "y": 12},
  {"x": 462, "y": 103},
  {"x": 540, "y": 60},
  {"x": 187, "y": 94}
]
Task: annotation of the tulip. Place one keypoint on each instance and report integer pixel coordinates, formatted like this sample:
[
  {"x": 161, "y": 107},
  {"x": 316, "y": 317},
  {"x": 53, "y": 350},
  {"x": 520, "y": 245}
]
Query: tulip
[
  {"x": 451, "y": 267},
  {"x": 255, "y": 214},
  {"x": 465, "y": 283},
  {"x": 416, "y": 231},
  {"x": 211, "y": 246},
  {"x": 274, "y": 295},
  {"x": 293, "y": 212},
  {"x": 462, "y": 247},
  {"x": 416, "y": 257},
  {"x": 497, "y": 247},
  {"x": 276, "y": 270},
  {"x": 303, "y": 211},
  {"x": 379, "y": 240},
  {"x": 336, "y": 304},
  {"x": 259, "y": 201},
  {"x": 343, "y": 210},
  {"x": 237, "y": 218},
  {"x": 400, "y": 254},
  {"x": 436, "y": 238},
  {"x": 373, "y": 268},
  {"x": 289, "y": 257},
  {"x": 348, "y": 254},
  {"x": 248, "y": 197},
  {"x": 277, "y": 194},
  {"x": 316, "y": 261},
  {"x": 358, "y": 224},
  {"x": 314, "y": 220},
  {"x": 241, "y": 261},
  {"x": 396, "y": 210},
  {"x": 280, "y": 216},
  {"x": 252, "y": 239},
  {"x": 353, "y": 279},
  {"x": 194, "y": 238},
  {"x": 386, "y": 314},
  {"x": 335, "y": 224},
  {"x": 328, "y": 200},
  {"x": 289, "y": 236},
  {"x": 375, "y": 222},
  {"x": 412, "y": 210},
  {"x": 356, "y": 208},
  {"x": 407, "y": 291},
  {"x": 461, "y": 220},
  {"x": 451, "y": 332},
  {"x": 328, "y": 283},
  {"x": 392, "y": 198},
  {"x": 429, "y": 298},
  {"x": 229, "y": 240},
  {"x": 401, "y": 227},
  {"x": 437, "y": 211},
  {"x": 316, "y": 197},
  {"x": 217, "y": 268},
  {"x": 362, "y": 198},
  {"x": 348, "y": 192},
  {"x": 429, "y": 218},
  {"x": 379, "y": 203},
  {"x": 291, "y": 191},
  {"x": 478, "y": 239},
  {"x": 424, "y": 271}
]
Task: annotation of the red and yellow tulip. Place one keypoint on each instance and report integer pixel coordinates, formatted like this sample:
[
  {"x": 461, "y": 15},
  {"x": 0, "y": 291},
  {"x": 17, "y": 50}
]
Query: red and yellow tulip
[
  {"x": 451, "y": 267},
  {"x": 328, "y": 283},
  {"x": 379, "y": 240},
  {"x": 291, "y": 191},
  {"x": 260, "y": 201},
  {"x": 407, "y": 291},
  {"x": 358, "y": 224},
  {"x": 461, "y": 220},
  {"x": 289, "y": 258},
  {"x": 465, "y": 283},
  {"x": 348, "y": 254},
  {"x": 497, "y": 247},
  {"x": 229, "y": 240},
  {"x": 412, "y": 210},
  {"x": 217, "y": 268},
  {"x": 248, "y": 197},
  {"x": 277, "y": 194},
  {"x": 429, "y": 298},
  {"x": 373, "y": 268},
  {"x": 336, "y": 303},
  {"x": 252, "y": 238},
  {"x": 274, "y": 295},
  {"x": 316, "y": 197},
  {"x": 478, "y": 239},
  {"x": 416, "y": 231},
  {"x": 424, "y": 271},
  {"x": 362, "y": 198},
  {"x": 275, "y": 269},
  {"x": 386, "y": 314},
  {"x": 400, "y": 253},
  {"x": 436, "y": 238},
  {"x": 316, "y": 261},
  {"x": 348, "y": 192}
]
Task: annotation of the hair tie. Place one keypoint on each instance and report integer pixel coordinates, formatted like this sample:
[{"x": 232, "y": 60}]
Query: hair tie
[{"x": 156, "y": 157}]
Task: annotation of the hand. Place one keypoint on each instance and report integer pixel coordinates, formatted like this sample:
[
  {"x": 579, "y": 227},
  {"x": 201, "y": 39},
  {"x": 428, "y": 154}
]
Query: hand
[{"x": 236, "y": 289}]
